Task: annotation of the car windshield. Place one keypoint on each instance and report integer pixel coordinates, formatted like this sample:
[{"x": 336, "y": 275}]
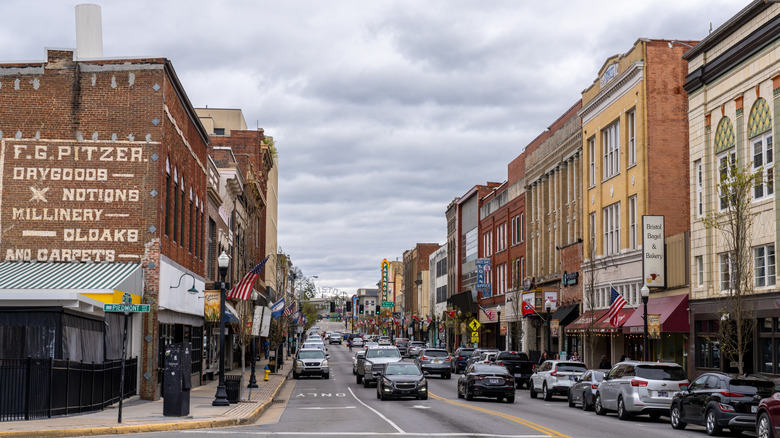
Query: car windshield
[
  {"x": 750, "y": 386},
  {"x": 466, "y": 351},
  {"x": 311, "y": 355},
  {"x": 320, "y": 346},
  {"x": 382, "y": 352},
  {"x": 660, "y": 372},
  {"x": 571, "y": 367},
  {"x": 360, "y": 354},
  {"x": 357, "y": 339},
  {"x": 512, "y": 356},
  {"x": 435, "y": 353},
  {"x": 489, "y": 369},
  {"x": 417, "y": 344},
  {"x": 402, "y": 368}
]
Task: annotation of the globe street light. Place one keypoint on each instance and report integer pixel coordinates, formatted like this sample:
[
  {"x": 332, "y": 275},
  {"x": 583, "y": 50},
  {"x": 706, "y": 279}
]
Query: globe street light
[
  {"x": 645, "y": 291},
  {"x": 220, "y": 399},
  {"x": 548, "y": 306}
]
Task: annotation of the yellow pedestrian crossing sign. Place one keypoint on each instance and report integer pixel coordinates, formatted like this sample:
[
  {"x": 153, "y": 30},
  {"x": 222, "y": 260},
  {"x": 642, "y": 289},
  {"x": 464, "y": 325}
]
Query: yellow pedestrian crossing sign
[{"x": 475, "y": 325}]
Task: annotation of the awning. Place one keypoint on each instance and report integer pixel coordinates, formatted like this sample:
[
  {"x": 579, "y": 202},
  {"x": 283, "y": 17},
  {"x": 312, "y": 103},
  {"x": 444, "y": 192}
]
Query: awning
[
  {"x": 465, "y": 301},
  {"x": 586, "y": 320},
  {"x": 605, "y": 326},
  {"x": 673, "y": 310},
  {"x": 565, "y": 315},
  {"x": 86, "y": 286}
]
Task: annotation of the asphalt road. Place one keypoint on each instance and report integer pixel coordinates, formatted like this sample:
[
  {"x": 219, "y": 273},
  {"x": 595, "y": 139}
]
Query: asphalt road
[{"x": 313, "y": 407}]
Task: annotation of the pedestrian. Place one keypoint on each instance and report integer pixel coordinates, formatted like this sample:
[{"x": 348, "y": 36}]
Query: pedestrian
[
  {"x": 557, "y": 356},
  {"x": 543, "y": 358},
  {"x": 575, "y": 356},
  {"x": 623, "y": 358},
  {"x": 605, "y": 363},
  {"x": 266, "y": 346},
  {"x": 349, "y": 343}
]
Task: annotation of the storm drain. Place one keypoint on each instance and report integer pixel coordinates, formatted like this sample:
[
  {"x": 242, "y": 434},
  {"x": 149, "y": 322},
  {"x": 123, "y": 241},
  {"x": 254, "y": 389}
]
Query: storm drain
[{"x": 278, "y": 401}]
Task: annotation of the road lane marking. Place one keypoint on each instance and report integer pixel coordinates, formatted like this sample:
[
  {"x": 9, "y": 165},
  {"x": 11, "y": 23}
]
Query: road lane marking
[
  {"x": 406, "y": 434},
  {"x": 376, "y": 412},
  {"x": 537, "y": 427},
  {"x": 334, "y": 407}
]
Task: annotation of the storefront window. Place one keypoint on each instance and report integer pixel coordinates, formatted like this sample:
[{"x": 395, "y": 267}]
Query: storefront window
[{"x": 769, "y": 345}]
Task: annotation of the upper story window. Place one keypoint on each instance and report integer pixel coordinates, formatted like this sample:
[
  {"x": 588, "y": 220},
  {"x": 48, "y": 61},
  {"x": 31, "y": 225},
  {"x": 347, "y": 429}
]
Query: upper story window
[
  {"x": 501, "y": 241},
  {"x": 699, "y": 188},
  {"x": 727, "y": 162},
  {"x": 592, "y": 158},
  {"x": 610, "y": 148},
  {"x": 764, "y": 261},
  {"x": 760, "y": 135},
  {"x": 611, "y": 215},
  {"x": 487, "y": 243},
  {"x": 631, "y": 121},
  {"x": 632, "y": 219},
  {"x": 726, "y": 157},
  {"x": 728, "y": 271}
]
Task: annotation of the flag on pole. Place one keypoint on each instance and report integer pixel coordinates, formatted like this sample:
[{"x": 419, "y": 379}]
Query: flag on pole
[
  {"x": 277, "y": 309},
  {"x": 450, "y": 313},
  {"x": 289, "y": 310},
  {"x": 528, "y": 309},
  {"x": 244, "y": 287},
  {"x": 489, "y": 313},
  {"x": 618, "y": 302},
  {"x": 428, "y": 319}
]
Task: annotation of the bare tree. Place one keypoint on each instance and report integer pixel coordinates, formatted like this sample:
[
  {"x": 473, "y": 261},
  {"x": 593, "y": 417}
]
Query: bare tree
[
  {"x": 590, "y": 269},
  {"x": 735, "y": 223}
]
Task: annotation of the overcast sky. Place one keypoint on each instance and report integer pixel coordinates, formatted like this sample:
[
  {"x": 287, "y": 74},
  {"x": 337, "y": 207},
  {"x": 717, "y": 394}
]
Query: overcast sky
[{"x": 382, "y": 111}]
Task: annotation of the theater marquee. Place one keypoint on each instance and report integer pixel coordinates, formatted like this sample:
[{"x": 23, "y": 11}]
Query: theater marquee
[{"x": 72, "y": 201}]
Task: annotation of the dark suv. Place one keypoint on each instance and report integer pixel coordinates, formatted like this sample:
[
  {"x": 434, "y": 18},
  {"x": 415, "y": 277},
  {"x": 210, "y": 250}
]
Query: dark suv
[
  {"x": 718, "y": 400},
  {"x": 459, "y": 359},
  {"x": 402, "y": 344}
]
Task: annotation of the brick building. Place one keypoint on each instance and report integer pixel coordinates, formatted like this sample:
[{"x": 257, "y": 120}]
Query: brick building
[{"x": 416, "y": 284}]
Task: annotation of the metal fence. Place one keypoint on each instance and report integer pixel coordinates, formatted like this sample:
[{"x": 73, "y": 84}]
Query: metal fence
[{"x": 42, "y": 388}]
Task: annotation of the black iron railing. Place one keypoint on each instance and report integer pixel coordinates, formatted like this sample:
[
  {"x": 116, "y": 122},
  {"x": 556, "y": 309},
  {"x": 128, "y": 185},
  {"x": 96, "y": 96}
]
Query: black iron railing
[{"x": 42, "y": 388}]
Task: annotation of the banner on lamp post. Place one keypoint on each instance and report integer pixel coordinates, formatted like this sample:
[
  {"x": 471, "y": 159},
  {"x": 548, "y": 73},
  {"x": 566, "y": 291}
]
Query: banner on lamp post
[{"x": 653, "y": 257}]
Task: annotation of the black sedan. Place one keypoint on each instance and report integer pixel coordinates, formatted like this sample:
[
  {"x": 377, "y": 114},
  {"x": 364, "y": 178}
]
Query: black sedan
[
  {"x": 718, "y": 400},
  {"x": 401, "y": 379},
  {"x": 486, "y": 380},
  {"x": 584, "y": 390}
]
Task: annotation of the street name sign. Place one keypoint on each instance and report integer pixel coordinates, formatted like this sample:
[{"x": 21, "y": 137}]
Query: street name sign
[
  {"x": 125, "y": 307},
  {"x": 388, "y": 303}
]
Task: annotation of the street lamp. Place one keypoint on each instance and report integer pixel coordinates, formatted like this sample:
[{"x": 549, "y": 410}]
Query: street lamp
[
  {"x": 220, "y": 399},
  {"x": 548, "y": 306},
  {"x": 253, "y": 377},
  {"x": 645, "y": 291},
  {"x": 498, "y": 328}
]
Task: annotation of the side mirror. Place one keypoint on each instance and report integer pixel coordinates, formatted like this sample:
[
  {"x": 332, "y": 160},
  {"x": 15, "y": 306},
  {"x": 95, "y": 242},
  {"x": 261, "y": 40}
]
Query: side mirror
[{"x": 327, "y": 356}]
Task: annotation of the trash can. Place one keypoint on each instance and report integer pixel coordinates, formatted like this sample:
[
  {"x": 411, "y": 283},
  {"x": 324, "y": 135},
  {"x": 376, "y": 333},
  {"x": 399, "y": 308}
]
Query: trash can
[{"x": 233, "y": 388}]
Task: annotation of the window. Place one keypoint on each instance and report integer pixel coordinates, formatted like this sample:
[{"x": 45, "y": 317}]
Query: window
[
  {"x": 699, "y": 271},
  {"x": 632, "y": 239},
  {"x": 175, "y": 210},
  {"x": 769, "y": 345},
  {"x": 699, "y": 189},
  {"x": 471, "y": 240},
  {"x": 501, "y": 279},
  {"x": 522, "y": 227},
  {"x": 631, "y": 116},
  {"x": 611, "y": 215},
  {"x": 707, "y": 344},
  {"x": 764, "y": 260},
  {"x": 592, "y": 220},
  {"x": 610, "y": 148},
  {"x": 192, "y": 235},
  {"x": 501, "y": 231},
  {"x": 727, "y": 272},
  {"x": 592, "y": 155},
  {"x": 515, "y": 230},
  {"x": 211, "y": 255},
  {"x": 487, "y": 243},
  {"x": 183, "y": 217},
  {"x": 219, "y": 131},
  {"x": 167, "y": 204},
  {"x": 763, "y": 167},
  {"x": 726, "y": 163}
]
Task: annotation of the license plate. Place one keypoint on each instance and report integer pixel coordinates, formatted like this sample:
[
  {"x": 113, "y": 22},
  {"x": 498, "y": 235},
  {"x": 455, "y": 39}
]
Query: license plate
[
  {"x": 494, "y": 381},
  {"x": 517, "y": 376},
  {"x": 753, "y": 409},
  {"x": 436, "y": 361},
  {"x": 572, "y": 377},
  {"x": 663, "y": 394}
]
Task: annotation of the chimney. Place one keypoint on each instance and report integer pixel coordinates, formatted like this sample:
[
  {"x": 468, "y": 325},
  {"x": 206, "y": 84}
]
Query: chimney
[{"x": 89, "y": 32}]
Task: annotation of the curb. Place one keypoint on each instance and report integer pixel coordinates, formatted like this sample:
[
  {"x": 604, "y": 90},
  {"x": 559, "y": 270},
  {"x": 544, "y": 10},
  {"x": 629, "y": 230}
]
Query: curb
[{"x": 160, "y": 427}]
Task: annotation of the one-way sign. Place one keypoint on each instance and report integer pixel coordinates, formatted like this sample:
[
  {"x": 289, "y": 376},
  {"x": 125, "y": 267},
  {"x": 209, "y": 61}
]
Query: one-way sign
[{"x": 125, "y": 307}]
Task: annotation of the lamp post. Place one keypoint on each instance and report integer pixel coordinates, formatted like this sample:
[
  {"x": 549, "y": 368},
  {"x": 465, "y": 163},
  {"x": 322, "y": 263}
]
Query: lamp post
[
  {"x": 253, "y": 377},
  {"x": 220, "y": 399},
  {"x": 548, "y": 306},
  {"x": 498, "y": 328},
  {"x": 645, "y": 291}
]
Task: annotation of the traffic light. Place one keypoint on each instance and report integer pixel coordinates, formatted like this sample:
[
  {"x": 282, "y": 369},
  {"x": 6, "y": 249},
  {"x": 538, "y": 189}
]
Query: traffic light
[
  {"x": 349, "y": 306},
  {"x": 360, "y": 310},
  {"x": 378, "y": 309},
  {"x": 332, "y": 307}
]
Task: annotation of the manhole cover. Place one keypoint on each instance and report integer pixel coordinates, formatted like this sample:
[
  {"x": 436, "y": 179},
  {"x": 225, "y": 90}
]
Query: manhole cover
[{"x": 279, "y": 401}]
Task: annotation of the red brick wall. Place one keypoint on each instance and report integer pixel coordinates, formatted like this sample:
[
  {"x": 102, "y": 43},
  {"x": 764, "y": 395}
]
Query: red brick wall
[{"x": 571, "y": 261}]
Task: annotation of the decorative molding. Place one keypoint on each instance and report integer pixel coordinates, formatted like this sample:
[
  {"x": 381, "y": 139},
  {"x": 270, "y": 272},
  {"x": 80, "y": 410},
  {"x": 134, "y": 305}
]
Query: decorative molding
[{"x": 616, "y": 89}]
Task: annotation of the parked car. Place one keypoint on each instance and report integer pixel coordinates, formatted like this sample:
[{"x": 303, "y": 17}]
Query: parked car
[
  {"x": 376, "y": 359},
  {"x": 768, "y": 414},
  {"x": 518, "y": 364},
  {"x": 435, "y": 361},
  {"x": 415, "y": 347},
  {"x": 717, "y": 400},
  {"x": 311, "y": 362},
  {"x": 402, "y": 344},
  {"x": 357, "y": 361},
  {"x": 460, "y": 358},
  {"x": 555, "y": 377},
  {"x": 357, "y": 342},
  {"x": 583, "y": 390},
  {"x": 634, "y": 387},
  {"x": 384, "y": 340},
  {"x": 477, "y": 353},
  {"x": 402, "y": 379},
  {"x": 486, "y": 380}
]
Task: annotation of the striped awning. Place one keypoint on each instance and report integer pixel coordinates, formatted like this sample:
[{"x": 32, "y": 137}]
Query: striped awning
[{"x": 84, "y": 277}]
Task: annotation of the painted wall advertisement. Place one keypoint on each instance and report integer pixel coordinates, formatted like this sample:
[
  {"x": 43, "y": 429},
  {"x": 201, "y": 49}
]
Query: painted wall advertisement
[{"x": 653, "y": 257}]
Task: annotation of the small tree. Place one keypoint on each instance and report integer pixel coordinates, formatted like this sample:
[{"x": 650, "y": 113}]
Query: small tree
[
  {"x": 735, "y": 223},
  {"x": 590, "y": 269}
]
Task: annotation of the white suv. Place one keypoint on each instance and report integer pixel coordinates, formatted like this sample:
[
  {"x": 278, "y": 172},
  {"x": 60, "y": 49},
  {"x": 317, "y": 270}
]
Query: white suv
[
  {"x": 634, "y": 387},
  {"x": 555, "y": 377}
]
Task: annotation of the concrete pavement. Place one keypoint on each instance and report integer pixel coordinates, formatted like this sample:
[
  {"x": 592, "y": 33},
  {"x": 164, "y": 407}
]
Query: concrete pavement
[{"x": 147, "y": 416}]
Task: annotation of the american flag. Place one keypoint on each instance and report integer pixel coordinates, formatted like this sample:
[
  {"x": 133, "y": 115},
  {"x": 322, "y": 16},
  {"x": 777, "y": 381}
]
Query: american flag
[
  {"x": 489, "y": 313},
  {"x": 618, "y": 302},
  {"x": 289, "y": 310},
  {"x": 428, "y": 319},
  {"x": 244, "y": 287}
]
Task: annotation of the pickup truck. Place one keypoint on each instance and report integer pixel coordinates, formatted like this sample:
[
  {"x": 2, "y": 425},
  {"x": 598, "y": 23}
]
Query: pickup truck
[
  {"x": 374, "y": 363},
  {"x": 518, "y": 364}
]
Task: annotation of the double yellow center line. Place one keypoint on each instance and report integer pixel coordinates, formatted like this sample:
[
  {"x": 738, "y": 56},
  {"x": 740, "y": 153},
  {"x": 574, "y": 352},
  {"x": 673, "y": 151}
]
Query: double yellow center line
[{"x": 519, "y": 420}]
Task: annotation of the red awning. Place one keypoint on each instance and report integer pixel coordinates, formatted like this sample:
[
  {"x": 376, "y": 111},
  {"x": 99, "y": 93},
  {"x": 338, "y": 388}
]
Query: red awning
[
  {"x": 673, "y": 310},
  {"x": 606, "y": 327},
  {"x": 585, "y": 320}
]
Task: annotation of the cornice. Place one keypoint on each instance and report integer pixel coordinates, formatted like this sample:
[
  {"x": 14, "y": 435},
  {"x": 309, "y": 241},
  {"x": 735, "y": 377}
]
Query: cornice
[{"x": 619, "y": 86}]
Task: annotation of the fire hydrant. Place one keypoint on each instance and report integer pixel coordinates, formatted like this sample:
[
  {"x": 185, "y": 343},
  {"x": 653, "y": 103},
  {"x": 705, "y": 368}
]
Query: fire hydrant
[{"x": 267, "y": 372}]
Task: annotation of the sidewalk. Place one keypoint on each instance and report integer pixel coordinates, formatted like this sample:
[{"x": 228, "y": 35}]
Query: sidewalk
[{"x": 147, "y": 416}]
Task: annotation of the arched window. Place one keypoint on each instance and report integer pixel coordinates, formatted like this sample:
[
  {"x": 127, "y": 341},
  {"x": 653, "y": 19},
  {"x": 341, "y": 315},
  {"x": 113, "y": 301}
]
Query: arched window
[
  {"x": 762, "y": 149},
  {"x": 726, "y": 156}
]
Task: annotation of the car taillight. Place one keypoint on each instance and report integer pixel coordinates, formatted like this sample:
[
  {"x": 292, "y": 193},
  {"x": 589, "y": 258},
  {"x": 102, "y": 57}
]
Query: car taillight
[
  {"x": 731, "y": 394},
  {"x": 461, "y": 357},
  {"x": 448, "y": 359},
  {"x": 500, "y": 362},
  {"x": 641, "y": 383},
  {"x": 423, "y": 358},
  {"x": 594, "y": 386},
  {"x": 726, "y": 408},
  {"x": 479, "y": 377},
  {"x": 554, "y": 374},
  {"x": 533, "y": 366}
]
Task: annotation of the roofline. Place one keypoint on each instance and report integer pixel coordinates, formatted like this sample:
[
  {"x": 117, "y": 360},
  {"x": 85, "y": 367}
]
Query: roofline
[
  {"x": 188, "y": 107},
  {"x": 726, "y": 29}
]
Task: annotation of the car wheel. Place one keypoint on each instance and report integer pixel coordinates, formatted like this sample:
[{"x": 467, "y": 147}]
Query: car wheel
[
  {"x": 675, "y": 418},
  {"x": 378, "y": 392},
  {"x": 571, "y": 402},
  {"x": 621, "y": 409},
  {"x": 296, "y": 375},
  {"x": 448, "y": 376},
  {"x": 460, "y": 395},
  {"x": 546, "y": 393},
  {"x": 711, "y": 423},
  {"x": 532, "y": 391},
  {"x": 358, "y": 379},
  {"x": 366, "y": 383},
  {"x": 585, "y": 405},
  {"x": 500, "y": 398},
  {"x": 510, "y": 399},
  {"x": 598, "y": 407},
  {"x": 326, "y": 376},
  {"x": 764, "y": 426},
  {"x": 469, "y": 396}
]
